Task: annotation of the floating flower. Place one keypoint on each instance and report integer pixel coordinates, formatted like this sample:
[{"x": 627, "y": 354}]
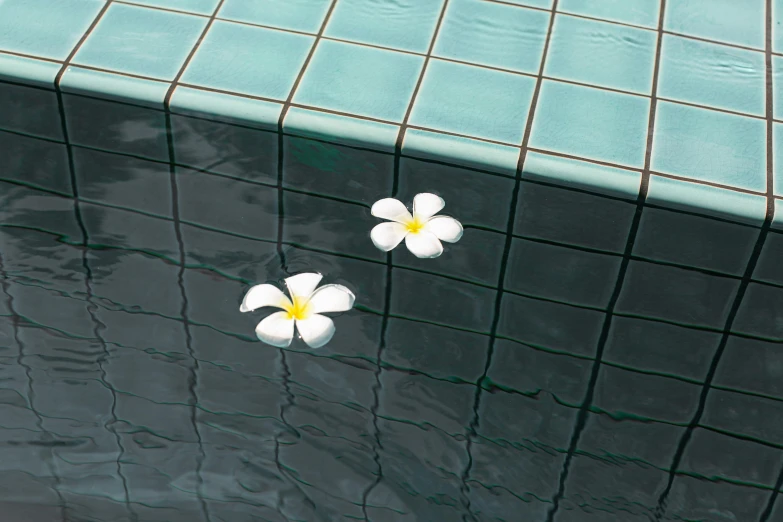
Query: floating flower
[
  {"x": 303, "y": 309},
  {"x": 423, "y": 231}
]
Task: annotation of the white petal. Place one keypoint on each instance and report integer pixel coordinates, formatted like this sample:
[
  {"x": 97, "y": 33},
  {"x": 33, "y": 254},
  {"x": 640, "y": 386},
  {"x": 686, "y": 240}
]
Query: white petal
[
  {"x": 424, "y": 244},
  {"x": 445, "y": 228},
  {"x": 388, "y": 235},
  {"x": 316, "y": 330},
  {"x": 277, "y": 329},
  {"x": 302, "y": 285},
  {"x": 331, "y": 298},
  {"x": 263, "y": 295},
  {"x": 391, "y": 209},
  {"x": 427, "y": 205}
]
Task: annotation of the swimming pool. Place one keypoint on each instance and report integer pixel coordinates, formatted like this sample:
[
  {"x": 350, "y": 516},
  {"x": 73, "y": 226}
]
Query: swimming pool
[{"x": 602, "y": 344}]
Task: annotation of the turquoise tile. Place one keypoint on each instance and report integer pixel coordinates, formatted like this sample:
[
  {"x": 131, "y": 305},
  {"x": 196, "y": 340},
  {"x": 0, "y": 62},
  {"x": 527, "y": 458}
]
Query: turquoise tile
[
  {"x": 543, "y": 4},
  {"x": 777, "y": 220},
  {"x": 402, "y": 24},
  {"x": 710, "y": 146},
  {"x": 498, "y": 108},
  {"x": 297, "y": 15},
  {"x": 569, "y": 172},
  {"x": 712, "y": 74},
  {"x": 601, "y": 53},
  {"x": 248, "y": 60},
  {"x": 205, "y": 7},
  {"x": 591, "y": 123},
  {"x": 637, "y": 12},
  {"x": 217, "y": 106},
  {"x": 777, "y": 144},
  {"x": 704, "y": 199},
  {"x": 457, "y": 150},
  {"x": 360, "y": 80},
  {"x": 22, "y": 24},
  {"x": 777, "y": 26},
  {"x": 777, "y": 87},
  {"x": 492, "y": 34},
  {"x": 339, "y": 129},
  {"x": 729, "y": 21},
  {"x": 116, "y": 87},
  {"x": 137, "y": 40}
]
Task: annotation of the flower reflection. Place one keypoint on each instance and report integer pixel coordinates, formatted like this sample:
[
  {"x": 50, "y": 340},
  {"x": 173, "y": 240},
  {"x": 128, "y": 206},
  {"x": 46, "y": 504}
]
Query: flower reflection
[
  {"x": 423, "y": 231},
  {"x": 302, "y": 310}
]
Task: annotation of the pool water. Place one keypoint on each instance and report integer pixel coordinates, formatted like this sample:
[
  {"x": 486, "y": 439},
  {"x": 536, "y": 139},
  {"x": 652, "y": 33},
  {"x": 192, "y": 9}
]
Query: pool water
[{"x": 512, "y": 378}]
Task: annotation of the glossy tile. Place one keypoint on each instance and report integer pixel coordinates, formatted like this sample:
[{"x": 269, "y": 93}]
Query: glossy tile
[
  {"x": 569, "y": 172},
  {"x": 461, "y": 151},
  {"x": 604, "y": 54},
  {"x": 500, "y": 101},
  {"x": 497, "y": 35},
  {"x": 591, "y": 123},
  {"x": 363, "y": 81},
  {"x": 407, "y": 25},
  {"x": 248, "y": 60},
  {"x": 114, "y": 87},
  {"x": 226, "y": 108},
  {"x": 541, "y": 4},
  {"x": 142, "y": 41},
  {"x": 337, "y": 128},
  {"x": 34, "y": 162},
  {"x": 204, "y": 7},
  {"x": 712, "y": 74},
  {"x": 722, "y": 20},
  {"x": 296, "y": 15},
  {"x": 637, "y": 12},
  {"x": 65, "y": 22},
  {"x": 706, "y": 200},
  {"x": 751, "y": 365},
  {"x": 29, "y": 111},
  {"x": 710, "y": 146}
]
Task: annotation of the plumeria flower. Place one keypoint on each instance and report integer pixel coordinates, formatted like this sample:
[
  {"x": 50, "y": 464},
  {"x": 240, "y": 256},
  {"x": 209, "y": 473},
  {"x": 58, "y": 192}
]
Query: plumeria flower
[
  {"x": 303, "y": 309},
  {"x": 423, "y": 231}
]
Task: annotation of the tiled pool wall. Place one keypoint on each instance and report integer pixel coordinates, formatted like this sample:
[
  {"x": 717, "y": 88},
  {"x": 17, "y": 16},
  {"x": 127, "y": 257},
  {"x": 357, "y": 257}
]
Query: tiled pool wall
[{"x": 619, "y": 205}]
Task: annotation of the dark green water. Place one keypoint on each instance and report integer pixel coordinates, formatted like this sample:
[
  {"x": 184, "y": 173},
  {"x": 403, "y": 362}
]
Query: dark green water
[{"x": 577, "y": 357}]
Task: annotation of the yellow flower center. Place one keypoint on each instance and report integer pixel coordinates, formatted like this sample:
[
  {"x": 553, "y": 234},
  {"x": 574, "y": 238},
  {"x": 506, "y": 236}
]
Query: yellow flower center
[
  {"x": 415, "y": 225},
  {"x": 299, "y": 308}
]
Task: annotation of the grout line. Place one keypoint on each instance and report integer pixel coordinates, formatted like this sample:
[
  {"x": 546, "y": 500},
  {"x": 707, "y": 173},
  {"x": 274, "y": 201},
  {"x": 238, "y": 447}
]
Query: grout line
[
  {"x": 90, "y": 307},
  {"x": 584, "y": 409},
  {"x": 193, "y": 378},
  {"x": 377, "y": 387},
  {"x": 741, "y": 291},
  {"x": 280, "y": 137},
  {"x": 472, "y": 429}
]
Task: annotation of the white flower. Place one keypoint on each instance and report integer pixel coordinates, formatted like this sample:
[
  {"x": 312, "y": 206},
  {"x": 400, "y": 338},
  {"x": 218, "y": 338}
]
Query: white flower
[
  {"x": 303, "y": 310},
  {"x": 423, "y": 231}
]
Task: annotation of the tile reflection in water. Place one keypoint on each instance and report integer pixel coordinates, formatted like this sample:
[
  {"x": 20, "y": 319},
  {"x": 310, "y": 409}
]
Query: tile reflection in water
[{"x": 460, "y": 388}]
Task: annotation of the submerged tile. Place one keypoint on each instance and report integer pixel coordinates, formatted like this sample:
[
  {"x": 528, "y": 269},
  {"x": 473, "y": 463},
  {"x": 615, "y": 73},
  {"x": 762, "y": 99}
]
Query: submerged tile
[
  {"x": 603, "y": 54},
  {"x": 497, "y": 35},
  {"x": 710, "y": 146},
  {"x": 591, "y": 123},
  {"x": 34, "y": 162},
  {"x": 248, "y": 60},
  {"x": 142, "y": 41},
  {"x": 363, "y": 81},
  {"x": 30, "y": 110},
  {"x": 22, "y": 23},
  {"x": 298, "y": 15},
  {"x": 403, "y": 24},
  {"x": 637, "y": 12},
  {"x": 499, "y": 101},
  {"x": 729, "y": 21},
  {"x": 712, "y": 74}
]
